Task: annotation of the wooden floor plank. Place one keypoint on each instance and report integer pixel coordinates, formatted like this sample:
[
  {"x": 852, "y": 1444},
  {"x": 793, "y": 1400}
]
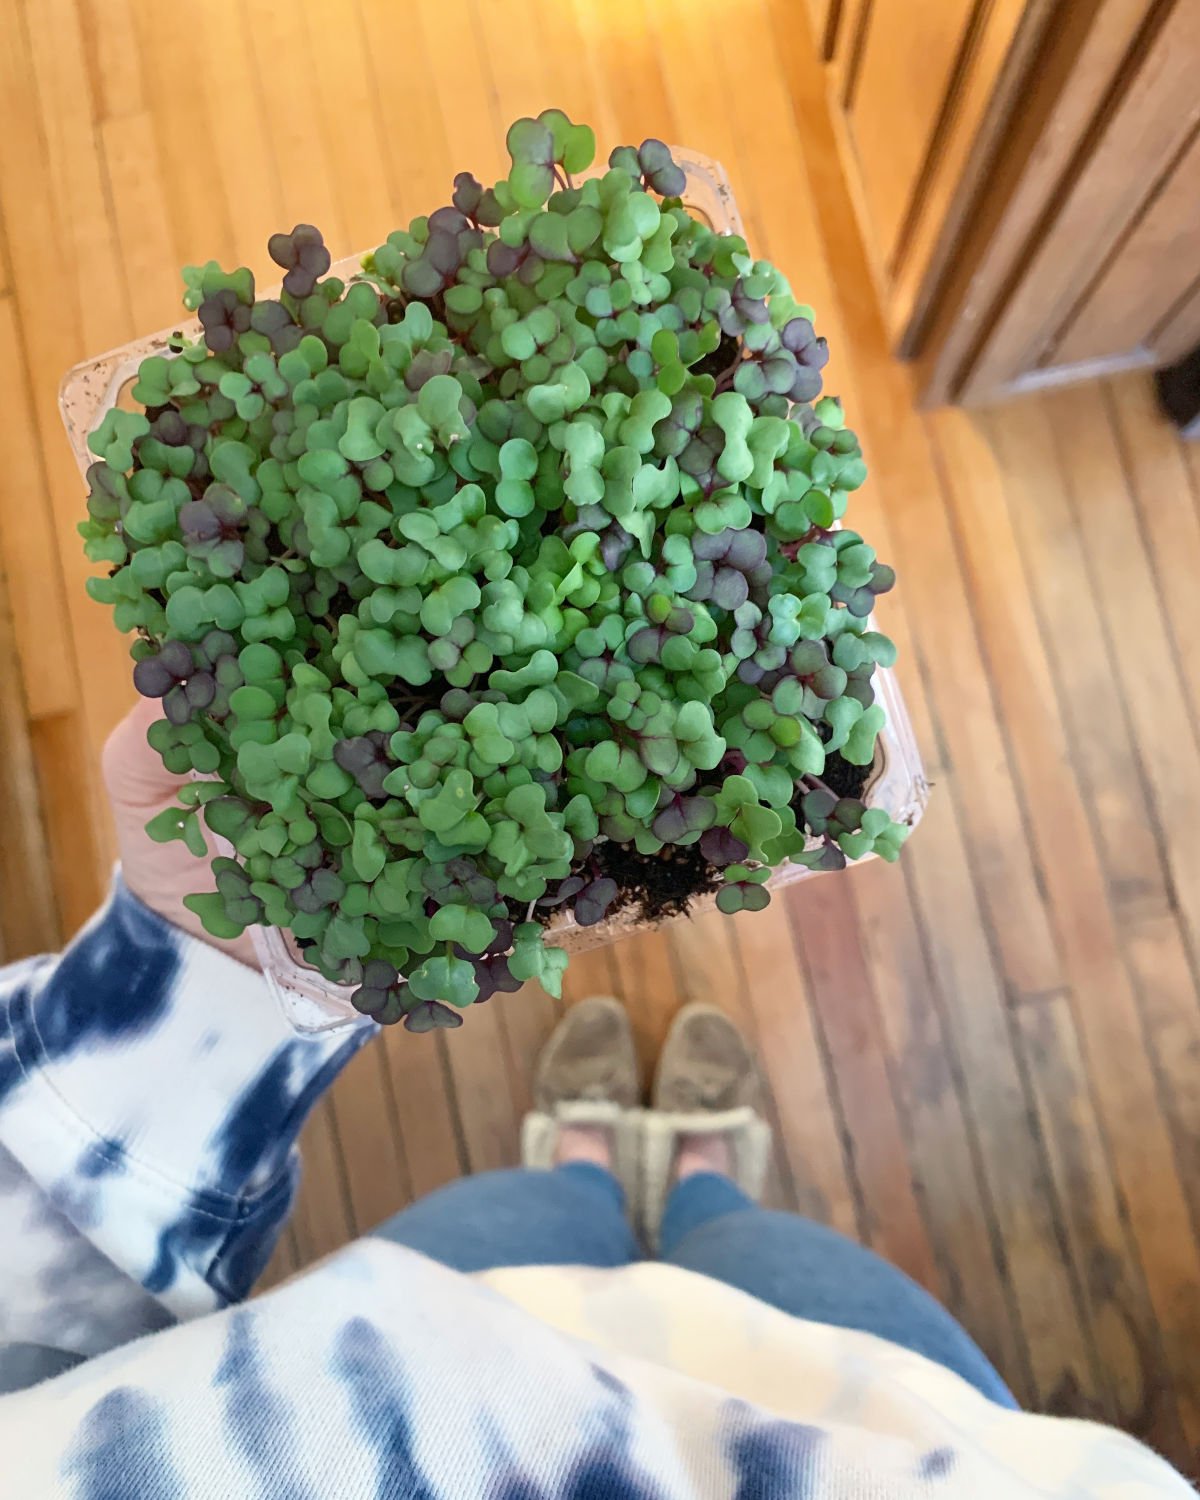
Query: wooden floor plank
[
  {"x": 1106, "y": 1006},
  {"x": 30, "y": 551},
  {"x": 709, "y": 969},
  {"x": 28, "y": 906},
  {"x": 284, "y": 67},
  {"x": 413, "y": 136},
  {"x": 464, "y": 92},
  {"x": 707, "y": 112},
  {"x": 111, "y": 57},
  {"x": 147, "y": 246},
  {"x": 526, "y": 1022},
  {"x": 77, "y": 180},
  {"x": 523, "y": 78},
  {"x": 1135, "y": 846},
  {"x": 60, "y": 753},
  {"x": 829, "y": 947},
  {"x": 645, "y": 982},
  {"x": 430, "y": 1134},
  {"x": 1012, "y": 1160},
  {"x": 41, "y": 256},
  {"x": 590, "y": 973},
  {"x": 236, "y": 123},
  {"x": 574, "y": 85},
  {"x": 1139, "y": 630},
  {"x": 984, "y": 925},
  {"x": 1157, "y": 474},
  {"x": 487, "y": 1112},
  {"x": 1104, "y": 758},
  {"x": 944, "y": 1149},
  {"x": 193, "y": 170},
  {"x": 6, "y": 274},
  {"x": 980, "y": 775},
  {"x": 1168, "y": 990},
  {"x": 341, "y": 86},
  {"x": 369, "y": 1141},
  {"x": 323, "y": 1220},
  {"x": 625, "y": 62},
  {"x": 823, "y": 1181},
  {"x": 1136, "y": 1381},
  {"x": 551, "y": 70}
]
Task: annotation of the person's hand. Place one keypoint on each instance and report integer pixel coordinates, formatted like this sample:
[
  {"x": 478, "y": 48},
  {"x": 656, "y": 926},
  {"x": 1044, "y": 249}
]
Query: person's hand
[{"x": 161, "y": 875}]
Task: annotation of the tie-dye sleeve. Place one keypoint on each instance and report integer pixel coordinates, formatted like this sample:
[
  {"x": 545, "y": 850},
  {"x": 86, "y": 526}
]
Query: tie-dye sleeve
[{"x": 151, "y": 1094}]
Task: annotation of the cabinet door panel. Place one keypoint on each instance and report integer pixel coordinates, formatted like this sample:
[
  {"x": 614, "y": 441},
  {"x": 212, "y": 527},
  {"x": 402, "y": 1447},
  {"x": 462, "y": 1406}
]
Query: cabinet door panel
[
  {"x": 1140, "y": 135},
  {"x": 903, "y": 84},
  {"x": 1151, "y": 272},
  {"x": 1043, "y": 116}
]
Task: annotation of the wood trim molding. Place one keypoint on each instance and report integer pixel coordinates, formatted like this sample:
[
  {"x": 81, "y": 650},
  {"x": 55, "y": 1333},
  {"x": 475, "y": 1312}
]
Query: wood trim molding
[
  {"x": 1150, "y": 109},
  {"x": 1035, "y": 150},
  {"x": 944, "y": 126},
  {"x": 1004, "y": 46},
  {"x": 1052, "y": 376},
  {"x": 1133, "y": 291}
]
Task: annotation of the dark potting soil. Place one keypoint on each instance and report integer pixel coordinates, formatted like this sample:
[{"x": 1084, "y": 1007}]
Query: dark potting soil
[
  {"x": 665, "y": 884},
  {"x": 721, "y": 357},
  {"x": 658, "y": 885},
  {"x": 842, "y": 778}
]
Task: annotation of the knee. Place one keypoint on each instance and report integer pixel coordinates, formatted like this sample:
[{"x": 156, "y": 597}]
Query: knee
[{"x": 525, "y": 1190}]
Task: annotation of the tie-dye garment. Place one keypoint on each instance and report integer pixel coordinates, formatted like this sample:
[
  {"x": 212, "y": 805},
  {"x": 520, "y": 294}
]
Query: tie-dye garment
[{"x": 150, "y": 1097}]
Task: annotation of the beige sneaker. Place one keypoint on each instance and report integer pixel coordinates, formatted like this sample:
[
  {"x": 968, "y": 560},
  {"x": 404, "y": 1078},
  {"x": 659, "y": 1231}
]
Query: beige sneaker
[
  {"x": 588, "y": 1075},
  {"x": 706, "y": 1064},
  {"x": 591, "y": 1055},
  {"x": 708, "y": 1083}
]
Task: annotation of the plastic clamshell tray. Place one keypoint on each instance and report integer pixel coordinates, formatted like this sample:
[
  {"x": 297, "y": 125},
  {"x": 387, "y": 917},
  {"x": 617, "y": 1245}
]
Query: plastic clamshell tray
[{"x": 310, "y": 1002}]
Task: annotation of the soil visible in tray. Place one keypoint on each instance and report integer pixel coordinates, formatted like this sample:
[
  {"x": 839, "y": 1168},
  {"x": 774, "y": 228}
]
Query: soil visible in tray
[
  {"x": 727, "y": 352},
  {"x": 660, "y": 885},
  {"x": 843, "y": 779},
  {"x": 663, "y": 885}
]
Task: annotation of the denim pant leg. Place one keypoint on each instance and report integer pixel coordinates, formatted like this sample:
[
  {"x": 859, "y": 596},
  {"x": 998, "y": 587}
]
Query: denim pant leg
[
  {"x": 571, "y": 1216},
  {"x": 813, "y": 1272}
]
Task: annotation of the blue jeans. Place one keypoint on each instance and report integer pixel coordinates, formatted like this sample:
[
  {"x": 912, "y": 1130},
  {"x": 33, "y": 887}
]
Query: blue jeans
[{"x": 575, "y": 1215}]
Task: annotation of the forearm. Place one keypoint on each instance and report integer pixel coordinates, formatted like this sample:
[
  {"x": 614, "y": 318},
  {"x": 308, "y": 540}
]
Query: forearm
[{"x": 152, "y": 1093}]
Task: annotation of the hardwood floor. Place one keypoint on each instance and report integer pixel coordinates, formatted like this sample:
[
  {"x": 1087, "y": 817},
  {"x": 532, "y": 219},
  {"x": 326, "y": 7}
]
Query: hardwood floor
[{"x": 985, "y": 1062}]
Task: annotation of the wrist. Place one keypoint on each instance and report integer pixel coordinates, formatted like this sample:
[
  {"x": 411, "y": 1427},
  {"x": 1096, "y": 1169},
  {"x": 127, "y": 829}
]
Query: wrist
[{"x": 240, "y": 948}]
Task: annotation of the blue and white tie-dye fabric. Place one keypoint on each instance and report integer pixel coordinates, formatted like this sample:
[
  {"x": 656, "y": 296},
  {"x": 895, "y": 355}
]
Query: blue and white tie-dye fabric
[
  {"x": 149, "y": 1102},
  {"x": 153, "y": 1093}
]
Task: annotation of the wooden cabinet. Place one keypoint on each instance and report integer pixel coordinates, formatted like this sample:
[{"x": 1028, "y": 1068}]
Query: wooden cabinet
[
  {"x": 1027, "y": 179},
  {"x": 905, "y": 78}
]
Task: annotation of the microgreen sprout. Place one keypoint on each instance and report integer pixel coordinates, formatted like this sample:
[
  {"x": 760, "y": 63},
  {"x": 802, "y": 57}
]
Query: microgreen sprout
[{"x": 522, "y": 546}]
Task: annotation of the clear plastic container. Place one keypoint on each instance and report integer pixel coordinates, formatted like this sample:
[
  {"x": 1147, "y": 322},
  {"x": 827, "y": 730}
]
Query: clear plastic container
[{"x": 311, "y": 1003}]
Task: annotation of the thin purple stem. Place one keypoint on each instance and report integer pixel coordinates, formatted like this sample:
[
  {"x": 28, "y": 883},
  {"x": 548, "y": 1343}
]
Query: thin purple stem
[{"x": 725, "y": 378}]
